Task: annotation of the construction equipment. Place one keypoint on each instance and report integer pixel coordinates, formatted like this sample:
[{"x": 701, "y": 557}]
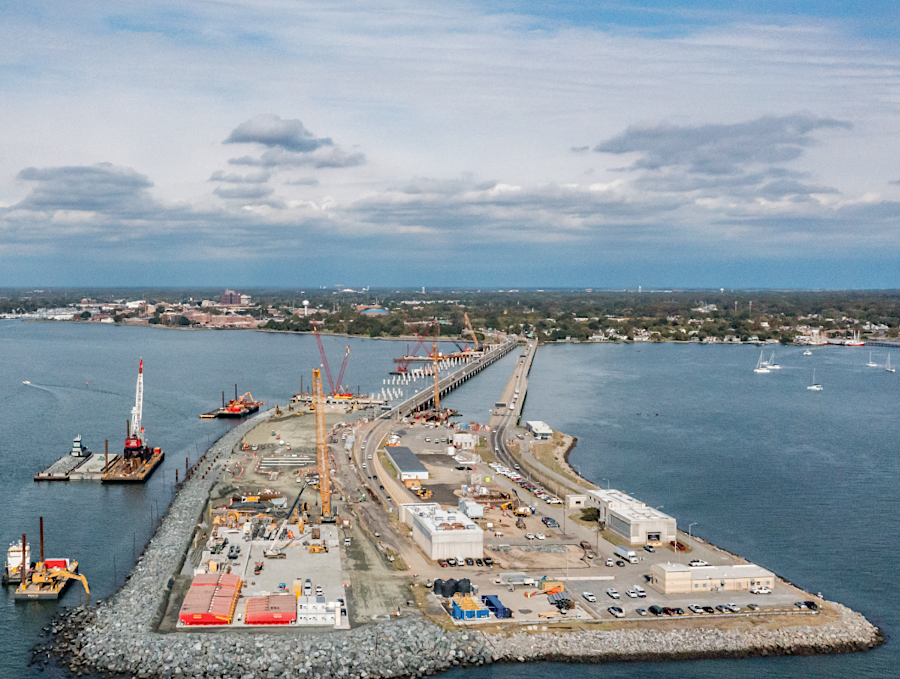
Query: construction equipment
[
  {"x": 506, "y": 505},
  {"x": 322, "y": 446},
  {"x": 49, "y": 578},
  {"x": 435, "y": 369},
  {"x": 552, "y": 590},
  {"x": 471, "y": 331},
  {"x": 334, "y": 388},
  {"x": 424, "y": 494},
  {"x": 318, "y": 549}
]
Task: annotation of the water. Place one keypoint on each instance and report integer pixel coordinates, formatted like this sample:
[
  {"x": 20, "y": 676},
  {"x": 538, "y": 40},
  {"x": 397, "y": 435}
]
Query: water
[{"x": 802, "y": 482}]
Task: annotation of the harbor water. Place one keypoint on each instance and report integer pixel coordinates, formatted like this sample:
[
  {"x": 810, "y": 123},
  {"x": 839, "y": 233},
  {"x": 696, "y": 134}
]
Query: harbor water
[{"x": 801, "y": 482}]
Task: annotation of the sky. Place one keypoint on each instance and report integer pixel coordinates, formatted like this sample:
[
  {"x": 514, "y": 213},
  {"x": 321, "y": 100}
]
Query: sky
[{"x": 495, "y": 143}]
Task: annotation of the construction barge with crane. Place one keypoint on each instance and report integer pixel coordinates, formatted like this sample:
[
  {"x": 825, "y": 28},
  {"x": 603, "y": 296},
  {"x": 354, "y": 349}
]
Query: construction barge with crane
[
  {"x": 239, "y": 406},
  {"x": 138, "y": 461}
]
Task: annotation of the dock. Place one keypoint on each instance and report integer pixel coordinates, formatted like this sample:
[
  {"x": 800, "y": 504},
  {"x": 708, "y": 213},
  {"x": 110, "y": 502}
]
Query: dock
[{"x": 121, "y": 472}]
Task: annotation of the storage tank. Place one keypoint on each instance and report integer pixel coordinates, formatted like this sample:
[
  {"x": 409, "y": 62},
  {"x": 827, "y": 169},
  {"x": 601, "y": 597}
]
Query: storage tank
[
  {"x": 464, "y": 586},
  {"x": 448, "y": 588},
  {"x": 438, "y": 587}
]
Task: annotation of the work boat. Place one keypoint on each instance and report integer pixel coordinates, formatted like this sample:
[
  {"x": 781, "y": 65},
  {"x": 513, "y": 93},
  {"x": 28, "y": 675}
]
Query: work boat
[
  {"x": 761, "y": 366},
  {"x": 871, "y": 363},
  {"x": 888, "y": 366},
  {"x": 807, "y": 353},
  {"x": 815, "y": 386}
]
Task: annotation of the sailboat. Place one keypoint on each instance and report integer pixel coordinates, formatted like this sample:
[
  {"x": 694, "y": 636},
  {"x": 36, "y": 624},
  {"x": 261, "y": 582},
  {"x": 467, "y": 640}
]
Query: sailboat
[
  {"x": 772, "y": 365},
  {"x": 815, "y": 386},
  {"x": 871, "y": 363},
  {"x": 761, "y": 366},
  {"x": 888, "y": 366}
]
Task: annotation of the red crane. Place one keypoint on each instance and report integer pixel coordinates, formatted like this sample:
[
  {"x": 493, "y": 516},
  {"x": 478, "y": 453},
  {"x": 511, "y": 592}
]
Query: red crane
[
  {"x": 334, "y": 390},
  {"x": 404, "y": 365}
]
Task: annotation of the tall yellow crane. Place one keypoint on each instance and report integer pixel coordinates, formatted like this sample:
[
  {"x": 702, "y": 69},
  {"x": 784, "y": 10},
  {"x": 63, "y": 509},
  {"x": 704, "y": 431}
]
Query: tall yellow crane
[
  {"x": 322, "y": 447},
  {"x": 435, "y": 368},
  {"x": 471, "y": 331}
]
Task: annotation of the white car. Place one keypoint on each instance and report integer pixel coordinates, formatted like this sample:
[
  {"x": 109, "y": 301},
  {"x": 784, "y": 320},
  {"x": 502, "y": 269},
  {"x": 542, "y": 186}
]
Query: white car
[
  {"x": 612, "y": 593},
  {"x": 616, "y": 612},
  {"x": 589, "y": 596},
  {"x": 760, "y": 590},
  {"x": 694, "y": 608},
  {"x": 529, "y": 536},
  {"x": 631, "y": 593},
  {"x": 540, "y": 536},
  {"x": 641, "y": 592},
  {"x": 697, "y": 563},
  {"x": 734, "y": 608}
]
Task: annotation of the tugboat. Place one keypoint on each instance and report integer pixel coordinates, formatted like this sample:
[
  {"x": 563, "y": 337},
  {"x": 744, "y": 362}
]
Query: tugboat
[
  {"x": 138, "y": 461},
  {"x": 14, "y": 562}
]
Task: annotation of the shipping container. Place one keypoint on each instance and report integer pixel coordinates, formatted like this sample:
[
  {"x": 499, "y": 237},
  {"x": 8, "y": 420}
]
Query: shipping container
[{"x": 276, "y": 609}]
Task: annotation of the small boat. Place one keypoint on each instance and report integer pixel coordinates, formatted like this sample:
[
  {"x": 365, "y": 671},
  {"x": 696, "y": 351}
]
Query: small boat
[
  {"x": 761, "y": 366},
  {"x": 26, "y": 382},
  {"x": 871, "y": 363},
  {"x": 856, "y": 341},
  {"x": 15, "y": 561},
  {"x": 807, "y": 353},
  {"x": 888, "y": 367},
  {"x": 772, "y": 365},
  {"x": 815, "y": 386}
]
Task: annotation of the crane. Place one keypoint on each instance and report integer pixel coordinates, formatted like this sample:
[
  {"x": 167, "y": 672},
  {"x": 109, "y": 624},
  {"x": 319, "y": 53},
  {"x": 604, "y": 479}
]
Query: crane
[
  {"x": 51, "y": 578},
  {"x": 322, "y": 447},
  {"x": 136, "y": 431},
  {"x": 334, "y": 389},
  {"x": 471, "y": 331},
  {"x": 435, "y": 368}
]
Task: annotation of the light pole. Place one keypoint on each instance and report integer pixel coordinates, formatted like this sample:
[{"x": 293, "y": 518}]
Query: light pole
[
  {"x": 607, "y": 483},
  {"x": 689, "y": 532}
]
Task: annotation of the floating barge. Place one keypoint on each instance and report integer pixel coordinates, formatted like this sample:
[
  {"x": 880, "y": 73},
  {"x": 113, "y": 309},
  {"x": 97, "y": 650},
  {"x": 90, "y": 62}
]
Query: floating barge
[
  {"x": 79, "y": 465},
  {"x": 138, "y": 461},
  {"x": 236, "y": 408},
  {"x": 48, "y": 578}
]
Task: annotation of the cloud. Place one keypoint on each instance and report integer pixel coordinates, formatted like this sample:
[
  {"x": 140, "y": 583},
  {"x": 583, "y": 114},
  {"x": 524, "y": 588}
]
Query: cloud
[
  {"x": 274, "y": 132},
  {"x": 580, "y": 149},
  {"x": 307, "y": 181},
  {"x": 243, "y": 192},
  {"x": 720, "y": 149},
  {"x": 102, "y": 188},
  {"x": 252, "y": 178},
  {"x": 322, "y": 159}
]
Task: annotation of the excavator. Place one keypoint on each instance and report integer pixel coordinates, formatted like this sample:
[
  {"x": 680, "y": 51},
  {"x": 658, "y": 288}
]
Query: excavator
[{"x": 53, "y": 579}]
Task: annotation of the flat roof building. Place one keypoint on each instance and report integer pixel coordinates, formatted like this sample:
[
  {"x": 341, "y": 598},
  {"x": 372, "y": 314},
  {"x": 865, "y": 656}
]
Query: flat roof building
[
  {"x": 676, "y": 578},
  {"x": 539, "y": 429},
  {"x": 631, "y": 518},
  {"x": 443, "y": 533},
  {"x": 406, "y": 463}
]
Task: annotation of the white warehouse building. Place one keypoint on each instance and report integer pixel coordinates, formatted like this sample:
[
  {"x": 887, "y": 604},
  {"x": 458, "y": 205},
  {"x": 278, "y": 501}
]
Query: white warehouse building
[
  {"x": 539, "y": 429},
  {"x": 632, "y": 519},
  {"x": 443, "y": 533}
]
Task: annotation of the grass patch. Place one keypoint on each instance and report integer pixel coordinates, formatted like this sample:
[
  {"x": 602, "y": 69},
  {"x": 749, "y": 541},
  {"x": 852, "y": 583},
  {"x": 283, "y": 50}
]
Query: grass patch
[
  {"x": 486, "y": 454},
  {"x": 545, "y": 453},
  {"x": 387, "y": 464},
  {"x": 614, "y": 538}
]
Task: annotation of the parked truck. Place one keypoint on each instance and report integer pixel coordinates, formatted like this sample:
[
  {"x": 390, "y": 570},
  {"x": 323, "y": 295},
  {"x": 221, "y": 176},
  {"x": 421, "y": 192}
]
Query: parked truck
[{"x": 626, "y": 553}]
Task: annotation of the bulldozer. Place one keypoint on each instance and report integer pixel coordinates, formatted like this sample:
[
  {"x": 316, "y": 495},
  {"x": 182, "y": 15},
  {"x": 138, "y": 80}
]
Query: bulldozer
[{"x": 318, "y": 549}]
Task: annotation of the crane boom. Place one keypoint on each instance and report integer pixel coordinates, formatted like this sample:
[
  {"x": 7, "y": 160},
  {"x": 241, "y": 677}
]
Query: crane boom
[
  {"x": 324, "y": 359},
  {"x": 322, "y": 447},
  {"x": 435, "y": 368},
  {"x": 138, "y": 410},
  {"x": 471, "y": 331},
  {"x": 343, "y": 368}
]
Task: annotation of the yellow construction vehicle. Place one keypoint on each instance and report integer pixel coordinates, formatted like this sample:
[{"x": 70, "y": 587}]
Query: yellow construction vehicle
[
  {"x": 45, "y": 580},
  {"x": 318, "y": 549},
  {"x": 424, "y": 494},
  {"x": 506, "y": 505}
]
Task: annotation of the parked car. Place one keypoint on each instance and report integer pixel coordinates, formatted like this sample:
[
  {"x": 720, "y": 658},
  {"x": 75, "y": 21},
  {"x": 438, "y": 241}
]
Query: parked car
[
  {"x": 620, "y": 564},
  {"x": 489, "y": 562},
  {"x": 589, "y": 596},
  {"x": 800, "y": 604},
  {"x": 610, "y": 563},
  {"x": 641, "y": 592},
  {"x": 678, "y": 611},
  {"x": 615, "y": 611},
  {"x": 479, "y": 562},
  {"x": 694, "y": 608},
  {"x": 550, "y": 523},
  {"x": 470, "y": 561},
  {"x": 760, "y": 590},
  {"x": 631, "y": 593},
  {"x": 528, "y": 536},
  {"x": 734, "y": 608},
  {"x": 649, "y": 548},
  {"x": 723, "y": 608},
  {"x": 451, "y": 561},
  {"x": 656, "y": 610},
  {"x": 697, "y": 563},
  {"x": 640, "y": 611},
  {"x": 753, "y": 607},
  {"x": 709, "y": 609},
  {"x": 540, "y": 536},
  {"x": 812, "y": 605},
  {"x": 443, "y": 563},
  {"x": 612, "y": 593}
]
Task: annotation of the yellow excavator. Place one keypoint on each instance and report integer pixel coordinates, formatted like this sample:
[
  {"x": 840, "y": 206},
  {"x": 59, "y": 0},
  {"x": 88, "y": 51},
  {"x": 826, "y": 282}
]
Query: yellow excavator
[{"x": 52, "y": 578}]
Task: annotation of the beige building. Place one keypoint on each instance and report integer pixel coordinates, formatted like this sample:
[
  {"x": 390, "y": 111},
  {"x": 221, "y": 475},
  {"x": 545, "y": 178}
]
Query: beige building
[
  {"x": 443, "y": 533},
  {"x": 676, "y": 578},
  {"x": 631, "y": 518}
]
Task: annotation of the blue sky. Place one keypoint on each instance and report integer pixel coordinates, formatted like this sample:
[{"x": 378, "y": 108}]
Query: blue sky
[{"x": 500, "y": 143}]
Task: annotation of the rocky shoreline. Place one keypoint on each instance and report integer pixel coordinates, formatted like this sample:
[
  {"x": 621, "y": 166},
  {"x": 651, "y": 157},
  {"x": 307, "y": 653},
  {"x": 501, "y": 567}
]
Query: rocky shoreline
[{"x": 117, "y": 636}]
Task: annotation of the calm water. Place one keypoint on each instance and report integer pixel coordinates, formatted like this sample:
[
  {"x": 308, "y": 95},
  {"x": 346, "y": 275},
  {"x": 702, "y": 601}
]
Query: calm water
[{"x": 802, "y": 482}]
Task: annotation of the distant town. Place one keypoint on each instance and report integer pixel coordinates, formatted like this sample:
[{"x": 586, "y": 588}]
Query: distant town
[{"x": 785, "y": 317}]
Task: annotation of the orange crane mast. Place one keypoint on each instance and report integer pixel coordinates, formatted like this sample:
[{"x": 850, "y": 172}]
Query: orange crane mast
[
  {"x": 322, "y": 447},
  {"x": 471, "y": 331},
  {"x": 435, "y": 368}
]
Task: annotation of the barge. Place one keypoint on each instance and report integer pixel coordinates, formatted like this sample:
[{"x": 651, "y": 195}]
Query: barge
[
  {"x": 236, "y": 408},
  {"x": 80, "y": 464}
]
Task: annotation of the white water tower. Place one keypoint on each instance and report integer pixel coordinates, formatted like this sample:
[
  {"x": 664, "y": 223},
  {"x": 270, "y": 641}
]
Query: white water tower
[{"x": 305, "y": 307}]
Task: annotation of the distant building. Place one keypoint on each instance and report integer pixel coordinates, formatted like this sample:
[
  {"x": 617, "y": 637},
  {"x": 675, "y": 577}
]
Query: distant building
[
  {"x": 231, "y": 298},
  {"x": 631, "y": 518},
  {"x": 443, "y": 533},
  {"x": 246, "y": 300},
  {"x": 406, "y": 463},
  {"x": 539, "y": 429},
  {"x": 465, "y": 441}
]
